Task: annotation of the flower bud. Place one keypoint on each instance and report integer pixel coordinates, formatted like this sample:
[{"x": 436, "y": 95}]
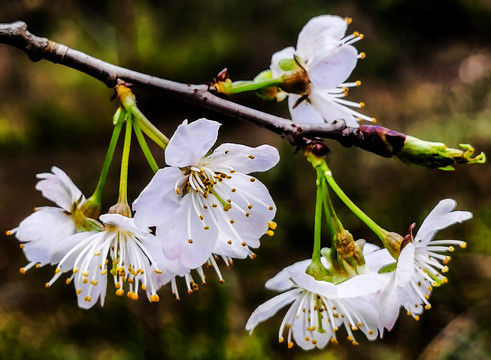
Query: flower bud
[
  {"x": 437, "y": 155},
  {"x": 271, "y": 93}
]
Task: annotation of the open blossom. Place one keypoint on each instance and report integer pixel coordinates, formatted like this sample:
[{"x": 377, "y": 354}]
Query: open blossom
[
  {"x": 203, "y": 205},
  {"x": 324, "y": 60},
  {"x": 41, "y": 231},
  {"x": 131, "y": 255},
  {"x": 319, "y": 308},
  {"x": 420, "y": 265}
]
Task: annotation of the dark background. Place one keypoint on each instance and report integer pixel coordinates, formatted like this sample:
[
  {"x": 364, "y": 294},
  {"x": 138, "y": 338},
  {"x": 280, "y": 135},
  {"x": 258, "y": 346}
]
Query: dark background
[{"x": 427, "y": 73}]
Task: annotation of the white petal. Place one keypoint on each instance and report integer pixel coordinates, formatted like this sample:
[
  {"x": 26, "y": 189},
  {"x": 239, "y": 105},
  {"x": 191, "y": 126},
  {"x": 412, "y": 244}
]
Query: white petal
[
  {"x": 319, "y": 27},
  {"x": 282, "y": 281},
  {"x": 304, "y": 112},
  {"x": 184, "y": 225},
  {"x": 308, "y": 283},
  {"x": 59, "y": 188},
  {"x": 329, "y": 110},
  {"x": 286, "y": 53},
  {"x": 271, "y": 307},
  {"x": 440, "y": 218},
  {"x": 361, "y": 285},
  {"x": 329, "y": 69},
  {"x": 376, "y": 258},
  {"x": 42, "y": 231},
  {"x": 159, "y": 198},
  {"x": 243, "y": 158},
  {"x": 191, "y": 142}
]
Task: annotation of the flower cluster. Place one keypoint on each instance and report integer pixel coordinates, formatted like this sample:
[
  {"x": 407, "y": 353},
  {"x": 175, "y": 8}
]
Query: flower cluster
[
  {"x": 196, "y": 209},
  {"x": 369, "y": 301}
]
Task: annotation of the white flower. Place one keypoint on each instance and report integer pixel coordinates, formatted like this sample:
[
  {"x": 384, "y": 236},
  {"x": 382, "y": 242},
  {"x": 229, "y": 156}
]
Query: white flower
[
  {"x": 320, "y": 308},
  {"x": 207, "y": 204},
  {"x": 420, "y": 265},
  {"x": 327, "y": 57},
  {"x": 47, "y": 226},
  {"x": 131, "y": 255}
]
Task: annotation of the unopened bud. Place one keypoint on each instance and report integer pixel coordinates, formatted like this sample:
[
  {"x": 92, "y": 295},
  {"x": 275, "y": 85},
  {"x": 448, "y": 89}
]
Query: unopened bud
[{"x": 437, "y": 155}]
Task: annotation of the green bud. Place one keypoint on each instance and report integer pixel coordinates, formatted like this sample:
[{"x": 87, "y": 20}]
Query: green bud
[
  {"x": 392, "y": 242},
  {"x": 318, "y": 271},
  {"x": 288, "y": 64},
  {"x": 271, "y": 93},
  {"x": 437, "y": 155}
]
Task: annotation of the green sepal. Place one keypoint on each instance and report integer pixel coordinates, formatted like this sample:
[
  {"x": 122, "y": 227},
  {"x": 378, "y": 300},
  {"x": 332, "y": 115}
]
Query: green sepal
[
  {"x": 388, "y": 268},
  {"x": 287, "y": 64}
]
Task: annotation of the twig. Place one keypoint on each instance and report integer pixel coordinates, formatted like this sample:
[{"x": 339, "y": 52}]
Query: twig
[{"x": 38, "y": 48}]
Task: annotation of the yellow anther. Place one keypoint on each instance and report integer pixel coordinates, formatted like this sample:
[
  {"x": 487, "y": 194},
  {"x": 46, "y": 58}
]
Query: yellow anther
[
  {"x": 22, "y": 270},
  {"x": 281, "y": 339},
  {"x": 370, "y": 332},
  {"x": 358, "y": 83},
  {"x": 97, "y": 253},
  {"x": 348, "y": 20},
  {"x": 104, "y": 272},
  {"x": 463, "y": 245},
  {"x": 190, "y": 241},
  {"x": 355, "y": 343},
  {"x": 93, "y": 282},
  {"x": 272, "y": 225},
  {"x": 430, "y": 288},
  {"x": 361, "y": 36},
  {"x": 270, "y": 208},
  {"x": 270, "y": 232},
  {"x": 87, "y": 298},
  {"x": 229, "y": 242},
  {"x": 251, "y": 156},
  {"x": 67, "y": 281},
  {"x": 428, "y": 307},
  {"x": 158, "y": 271},
  {"x": 307, "y": 338},
  {"x": 314, "y": 341},
  {"x": 445, "y": 269},
  {"x": 221, "y": 281},
  {"x": 335, "y": 329},
  {"x": 444, "y": 280},
  {"x": 334, "y": 341},
  {"x": 374, "y": 120},
  {"x": 233, "y": 190},
  {"x": 117, "y": 285},
  {"x": 362, "y": 104},
  {"x": 362, "y": 55},
  {"x": 206, "y": 227},
  {"x": 356, "y": 34},
  {"x": 252, "y": 256},
  {"x": 144, "y": 287},
  {"x": 350, "y": 338},
  {"x": 37, "y": 266},
  {"x": 84, "y": 280},
  {"x": 232, "y": 221},
  {"x": 451, "y": 249},
  {"x": 427, "y": 296},
  {"x": 359, "y": 324},
  {"x": 78, "y": 291},
  {"x": 120, "y": 292},
  {"x": 416, "y": 318},
  {"x": 290, "y": 345},
  {"x": 446, "y": 260},
  {"x": 20, "y": 245},
  {"x": 85, "y": 273},
  {"x": 134, "y": 296}
]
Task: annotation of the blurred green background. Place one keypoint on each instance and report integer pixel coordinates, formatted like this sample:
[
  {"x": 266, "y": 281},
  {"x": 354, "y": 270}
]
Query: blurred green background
[{"x": 427, "y": 73}]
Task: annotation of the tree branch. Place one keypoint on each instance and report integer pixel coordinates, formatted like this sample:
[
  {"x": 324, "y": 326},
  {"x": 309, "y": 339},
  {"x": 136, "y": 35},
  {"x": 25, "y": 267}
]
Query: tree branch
[{"x": 376, "y": 139}]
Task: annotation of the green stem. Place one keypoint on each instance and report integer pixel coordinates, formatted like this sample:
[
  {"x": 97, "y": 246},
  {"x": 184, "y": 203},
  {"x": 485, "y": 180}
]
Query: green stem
[
  {"x": 123, "y": 180},
  {"x": 334, "y": 224},
  {"x": 143, "y": 145},
  {"x": 97, "y": 196},
  {"x": 381, "y": 233},
  {"x": 316, "y": 253},
  {"x": 148, "y": 128},
  {"x": 243, "y": 86}
]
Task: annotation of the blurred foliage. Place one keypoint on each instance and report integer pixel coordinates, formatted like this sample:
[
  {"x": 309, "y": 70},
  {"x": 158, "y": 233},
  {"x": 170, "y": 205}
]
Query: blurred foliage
[{"x": 427, "y": 72}]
